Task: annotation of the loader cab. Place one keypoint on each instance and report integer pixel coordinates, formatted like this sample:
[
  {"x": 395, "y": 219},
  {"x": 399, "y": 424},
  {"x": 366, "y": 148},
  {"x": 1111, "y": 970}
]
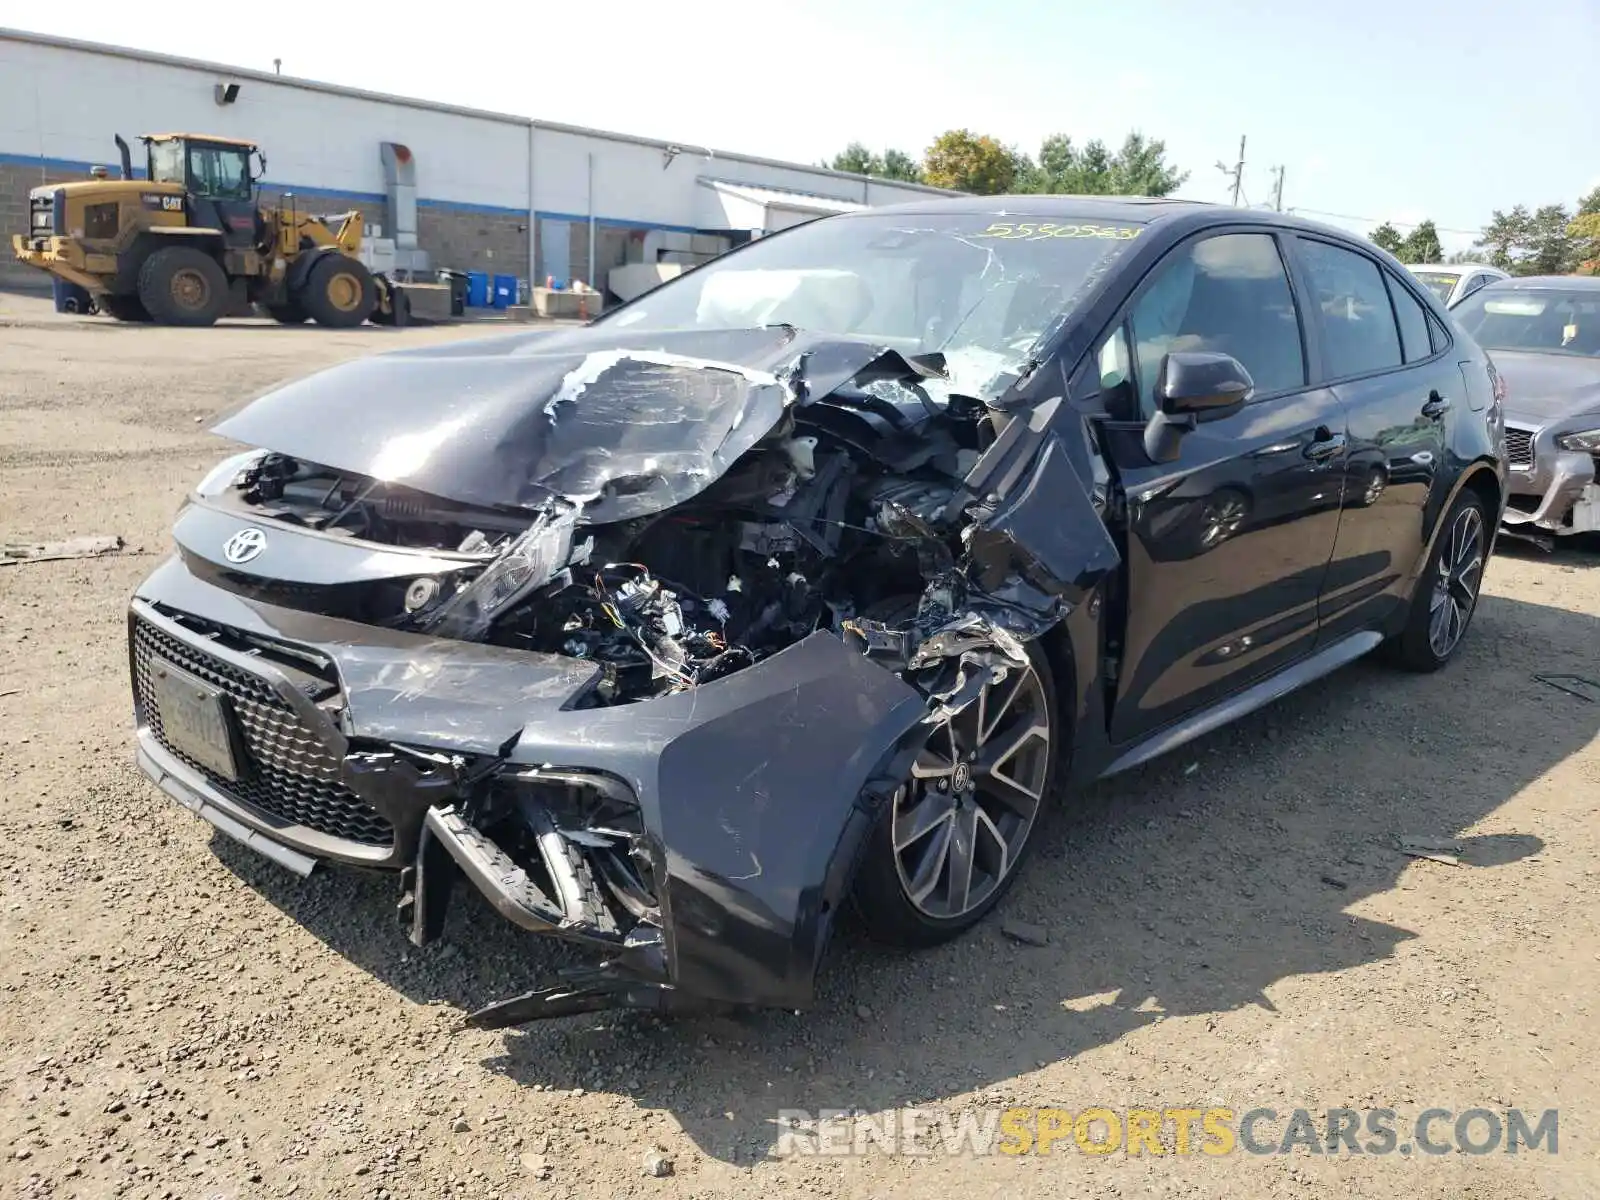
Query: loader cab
[{"x": 216, "y": 173}]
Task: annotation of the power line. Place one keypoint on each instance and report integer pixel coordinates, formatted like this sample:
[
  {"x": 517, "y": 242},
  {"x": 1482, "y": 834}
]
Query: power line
[{"x": 1318, "y": 212}]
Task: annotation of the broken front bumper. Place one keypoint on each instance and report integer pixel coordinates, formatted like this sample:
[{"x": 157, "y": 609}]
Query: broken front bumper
[
  {"x": 1551, "y": 490},
  {"x": 751, "y": 796}
]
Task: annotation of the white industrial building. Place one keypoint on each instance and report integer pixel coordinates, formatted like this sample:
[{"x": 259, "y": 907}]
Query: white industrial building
[{"x": 491, "y": 192}]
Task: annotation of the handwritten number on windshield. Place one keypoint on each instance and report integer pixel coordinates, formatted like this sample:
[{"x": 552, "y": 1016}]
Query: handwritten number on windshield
[{"x": 1032, "y": 231}]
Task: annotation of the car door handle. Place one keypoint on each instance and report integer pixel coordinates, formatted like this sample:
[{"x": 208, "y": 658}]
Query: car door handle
[
  {"x": 1436, "y": 406},
  {"x": 1324, "y": 446}
]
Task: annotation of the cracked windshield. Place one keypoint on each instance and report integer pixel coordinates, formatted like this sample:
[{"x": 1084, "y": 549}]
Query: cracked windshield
[{"x": 979, "y": 289}]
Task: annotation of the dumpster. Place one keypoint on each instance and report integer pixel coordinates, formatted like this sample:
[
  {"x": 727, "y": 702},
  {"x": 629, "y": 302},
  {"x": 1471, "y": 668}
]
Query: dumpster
[
  {"x": 505, "y": 291},
  {"x": 477, "y": 289}
]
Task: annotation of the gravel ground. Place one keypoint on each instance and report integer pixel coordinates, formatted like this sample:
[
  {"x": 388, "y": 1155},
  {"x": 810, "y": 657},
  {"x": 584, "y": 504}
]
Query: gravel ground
[{"x": 1231, "y": 926}]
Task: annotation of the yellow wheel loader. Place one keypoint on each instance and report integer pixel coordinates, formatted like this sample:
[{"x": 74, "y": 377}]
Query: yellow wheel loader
[{"x": 190, "y": 242}]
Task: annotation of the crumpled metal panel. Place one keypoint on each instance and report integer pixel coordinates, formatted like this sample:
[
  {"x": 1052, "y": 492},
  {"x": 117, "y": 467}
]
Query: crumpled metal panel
[
  {"x": 628, "y": 428},
  {"x": 751, "y": 788}
]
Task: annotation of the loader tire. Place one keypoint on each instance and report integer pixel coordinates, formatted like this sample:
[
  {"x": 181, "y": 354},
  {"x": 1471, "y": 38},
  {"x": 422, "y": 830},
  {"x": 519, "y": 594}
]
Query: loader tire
[
  {"x": 183, "y": 286},
  {"x": 123, "y": 308},
  {"x": 287, "y": 314},
  {"x": 339, "y": 292}
]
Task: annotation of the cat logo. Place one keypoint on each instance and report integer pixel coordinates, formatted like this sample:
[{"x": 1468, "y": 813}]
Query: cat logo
[{"x": 163, "y": 203}]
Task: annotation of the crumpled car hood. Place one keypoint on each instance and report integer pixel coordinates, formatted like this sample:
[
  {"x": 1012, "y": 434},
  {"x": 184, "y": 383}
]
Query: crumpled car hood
[
  {"x": 1548, "y": 387},
  {"x": 626, "y": 426}
]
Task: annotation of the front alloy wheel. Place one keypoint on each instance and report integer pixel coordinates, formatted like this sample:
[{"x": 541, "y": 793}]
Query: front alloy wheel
[{"x": 961, "y": 825}]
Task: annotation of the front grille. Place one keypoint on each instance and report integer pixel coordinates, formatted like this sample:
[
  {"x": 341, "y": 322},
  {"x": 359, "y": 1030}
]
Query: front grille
[
  {"x": 1519, "y": 447},
  {"x": 290, "y": 774},
  {"x": 41, "y": 216}
]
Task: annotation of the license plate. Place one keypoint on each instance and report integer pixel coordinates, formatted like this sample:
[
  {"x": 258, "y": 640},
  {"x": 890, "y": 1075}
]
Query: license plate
[{"x": 195, "y": 719}]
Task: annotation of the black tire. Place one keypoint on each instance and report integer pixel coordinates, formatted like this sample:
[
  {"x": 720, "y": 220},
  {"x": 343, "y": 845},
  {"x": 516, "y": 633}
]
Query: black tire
[
  {"x": 287, "y": 314},
  {"x": 182, "y": 285},
  {"x": 339, "y": 292},
  {"x": 1420, "y": 646},
  {"x": 123, "y": 308},
  {"x": 883, "y": 892}
]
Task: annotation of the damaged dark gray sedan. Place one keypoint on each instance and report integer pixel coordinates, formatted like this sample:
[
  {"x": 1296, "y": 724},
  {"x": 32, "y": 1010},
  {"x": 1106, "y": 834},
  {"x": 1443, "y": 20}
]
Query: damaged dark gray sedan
[{"x": 810, "y": 577}]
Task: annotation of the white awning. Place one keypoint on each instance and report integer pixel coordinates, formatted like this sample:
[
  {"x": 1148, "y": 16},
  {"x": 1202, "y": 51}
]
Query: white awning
[{"x": 730, "y": 205}]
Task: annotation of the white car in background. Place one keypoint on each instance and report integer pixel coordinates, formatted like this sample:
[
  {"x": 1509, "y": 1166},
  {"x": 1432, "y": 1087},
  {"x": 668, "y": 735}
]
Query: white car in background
[{"x": 1454, "y": 282}]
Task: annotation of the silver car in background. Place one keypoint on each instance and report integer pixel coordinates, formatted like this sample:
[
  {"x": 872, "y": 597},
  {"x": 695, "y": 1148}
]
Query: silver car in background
[
  {"x": 1543, "y": 333},
  {"x": 1454, "y": 282}
]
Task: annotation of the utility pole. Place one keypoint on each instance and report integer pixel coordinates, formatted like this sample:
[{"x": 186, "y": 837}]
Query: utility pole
[
  {"x": 1237, "y": 173},
  {"x": 1277, "y": 191}
]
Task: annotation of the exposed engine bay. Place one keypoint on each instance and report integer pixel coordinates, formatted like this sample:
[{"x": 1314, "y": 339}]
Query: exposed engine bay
[{"x": 838, "y": 517}]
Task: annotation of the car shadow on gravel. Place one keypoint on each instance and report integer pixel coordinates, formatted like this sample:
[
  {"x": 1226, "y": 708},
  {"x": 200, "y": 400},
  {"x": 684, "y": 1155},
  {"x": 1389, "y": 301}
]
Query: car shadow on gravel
[{"x": 1185, "y": 889}]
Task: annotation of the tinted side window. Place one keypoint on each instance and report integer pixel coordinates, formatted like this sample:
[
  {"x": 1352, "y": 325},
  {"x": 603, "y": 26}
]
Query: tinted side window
[
  {"x": 1413, "y": 320},
  {"x": 1441, "y": 339},
  {"x": 1229, "y": 294},
  {"x": 1353, "y": 311}
]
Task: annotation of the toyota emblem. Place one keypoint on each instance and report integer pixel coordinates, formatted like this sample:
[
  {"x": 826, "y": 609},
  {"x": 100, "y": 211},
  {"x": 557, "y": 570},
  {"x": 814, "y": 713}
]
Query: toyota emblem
[{"x": 244, "y": 545}]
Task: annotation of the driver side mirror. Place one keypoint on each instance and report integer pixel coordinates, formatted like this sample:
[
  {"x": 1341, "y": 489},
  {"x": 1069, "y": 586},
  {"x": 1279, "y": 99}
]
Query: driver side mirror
[{"x": 1193, "y": 386}]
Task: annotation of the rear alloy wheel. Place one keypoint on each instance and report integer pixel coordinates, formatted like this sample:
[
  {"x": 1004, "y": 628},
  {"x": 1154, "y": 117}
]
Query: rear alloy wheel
[
  {"x": 183, "y": 286},
  {"x": 961, "y": 826},
  {"x": 1447, "y": 594},
  {"x": 339, "y": 292}
]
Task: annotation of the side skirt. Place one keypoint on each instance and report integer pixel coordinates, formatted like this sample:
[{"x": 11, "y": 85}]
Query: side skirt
[{"x": 1323, "y": 662}]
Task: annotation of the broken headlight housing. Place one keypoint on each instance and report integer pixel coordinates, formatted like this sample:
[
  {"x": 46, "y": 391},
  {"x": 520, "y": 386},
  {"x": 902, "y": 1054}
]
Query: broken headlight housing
[
  {"x": 1585, "y": 440},
  {"x": 528, "y": 562},
  {"x": 226, "y": 473}
]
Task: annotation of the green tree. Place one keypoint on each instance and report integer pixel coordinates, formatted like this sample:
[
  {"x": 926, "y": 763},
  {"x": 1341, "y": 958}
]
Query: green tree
[
  {"x": 1585, "y": 234},
  {"x": 897, "y": 164},
  {"x": 970, "y": 162},
  {"x": 1421, "y": 245},
  {"x": 1139, "y": 168},
  {"x": 1590, "y": 204},
  {"x": 1551, "y": 246},
  {"x": 1505, "y": 239},
  {"x": 891, "y": 164},
  {"x": 856, "y": 159},
  {"x": 1387, "y": 237}
]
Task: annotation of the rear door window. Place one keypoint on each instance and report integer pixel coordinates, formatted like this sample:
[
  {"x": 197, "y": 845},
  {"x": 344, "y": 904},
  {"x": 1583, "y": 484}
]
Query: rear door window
[
  {"x": 1415, "y": 343},
  {"x": 1352, "y": 310}
]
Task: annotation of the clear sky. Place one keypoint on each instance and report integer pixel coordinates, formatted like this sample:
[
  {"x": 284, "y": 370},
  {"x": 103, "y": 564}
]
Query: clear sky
[{"x": 1388, "y": 109}]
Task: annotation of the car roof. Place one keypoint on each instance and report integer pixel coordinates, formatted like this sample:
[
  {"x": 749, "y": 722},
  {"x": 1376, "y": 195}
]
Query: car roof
[
  {"x": 1457, "y": 268},
  {"x": 1565, "y": 283}
]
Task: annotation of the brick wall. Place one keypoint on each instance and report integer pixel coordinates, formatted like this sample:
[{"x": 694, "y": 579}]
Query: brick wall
[
  {"x": 464, "y": 240},
  {"x": 15, "y": 183}
]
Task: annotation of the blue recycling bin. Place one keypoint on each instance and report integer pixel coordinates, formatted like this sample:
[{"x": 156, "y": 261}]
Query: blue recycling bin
[
  {"x": 477, "y": 289},
  {"x": 505, "y": 291},
  {"x": 69, "y": 297}
]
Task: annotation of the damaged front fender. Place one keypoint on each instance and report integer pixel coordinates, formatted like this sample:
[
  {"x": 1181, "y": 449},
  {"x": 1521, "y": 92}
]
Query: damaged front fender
[{"x": 757, "y": 792}]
